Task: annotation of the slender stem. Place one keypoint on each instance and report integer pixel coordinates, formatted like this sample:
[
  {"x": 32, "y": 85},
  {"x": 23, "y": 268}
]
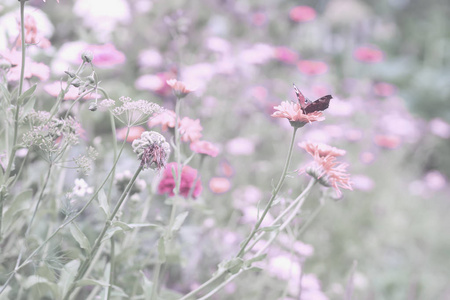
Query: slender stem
[
  {"x": 111, "y": 269},
  {"x": 197, "y": 178},
  {"x": 203, "y": 286},
  {"x": 154, "y": 295},
  {"x": 220, "y": 286},
  {"x": 22, "y": 29},
  {"x": 98, "y": 241},
  {"x": 76, "y": 101},
  {"x": 274, "y": 195}
]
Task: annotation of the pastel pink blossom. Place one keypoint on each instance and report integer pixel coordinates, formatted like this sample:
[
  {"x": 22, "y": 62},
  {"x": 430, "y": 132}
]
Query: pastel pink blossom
[
  {"x": 166, "y": 119},
  {"x": 321, "y": 149},
  {"x": 55, "y": 88},
  {"x": 219, "y": 185},
  {"x": 362, "y": 183},
  {"x": 286, "y": 55},
  {"x": 180, "y": 88},
  {"x": 368, "y": 54},
  {"x": 134, "y": 133},
  {"x": 32, "y": 68},
  {"x": 105, "y": 56},
  {"x": 440, "y": 128},
  {"x": 294, "y": 113},
  {"x": 435, "y": 180},
  {"x": 156, "y": 83},
  {"x": 32, "y": 37},
  {"x": 188, "y": 177},
  {"x": 302, "y": 14},
  {"x": 204, "y": 147},
  {"x": 387, "y": 141},
  {"x": 384, "y": 89},
  {"x": 240, "y": 146},
  {"x": 311, "y": 67},
  {"x": 190, "y": 130}
]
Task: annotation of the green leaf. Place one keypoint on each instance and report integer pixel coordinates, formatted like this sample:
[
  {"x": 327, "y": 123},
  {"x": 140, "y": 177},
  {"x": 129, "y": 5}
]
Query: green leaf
[
  {"x": 179, "y": 220},
  {"x": 27, "y": 93},
  {"x": 86, "y": 282},
  {"x": 103, "y": 200},
  {"x": 5, "y": 93},
  {"x": 68, "y": 273},
  {"x": 79, "y": 236},
  {"x": 161, "y": 250},
  {"x": 21, "y": 202},
  {"x": 41, "y": 283},
  {"x": 147, "y": 286},
  {"x": 110, "y": 232}
]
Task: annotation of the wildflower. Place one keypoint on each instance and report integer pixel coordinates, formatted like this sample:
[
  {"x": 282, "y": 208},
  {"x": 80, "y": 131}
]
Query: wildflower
[
  {"x": 368, "y": 54},
  {"x": 165, "y": 118},
  {"x": 311, "y": 67},
  {"x": 152, "y": 150},
  {"x": 85, "y": 162},
  {"x": 302, "y": 14},
  {"x": 204, "y": 147},
  {"x": 326, "y": 169},
  {"x": 32, "y": 68},
  {"x": 190, "y": 130},
  {"x": 387, "y": 141},
  {"x": 134, "y": 132},
  {"x": 105, "y": 56},
  {"x": 219, "y": 185},
  {"x": 81, "y": 188},
  {"x": 156, "y": 83},
  {"x": 286, "y": 55},
  {"x": 440, "y": 128},
  {"x": 180, "y": 89},
  {"x": 31, "y": 34},
  {"x": 134, "y": 113},
  {"x": 188, "y": 177},
  {"x": 294, "y": 113}
]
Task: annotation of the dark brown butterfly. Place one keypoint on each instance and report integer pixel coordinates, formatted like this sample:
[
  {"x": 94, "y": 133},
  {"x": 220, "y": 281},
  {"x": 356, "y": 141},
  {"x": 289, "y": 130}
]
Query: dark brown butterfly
[{"x": 309, "y": 106}]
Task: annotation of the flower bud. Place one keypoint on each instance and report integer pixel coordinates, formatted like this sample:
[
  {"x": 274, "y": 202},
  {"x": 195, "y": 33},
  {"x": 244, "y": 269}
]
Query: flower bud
[
  {"x": 76, "y": 83},
  {"x": 90, "y": 79},
  {"x": 70, "y": 73},
  {"x": 152, "y": 150},
  {"x": 93, "y": 106},
  {"x": 87, "y": 56}
]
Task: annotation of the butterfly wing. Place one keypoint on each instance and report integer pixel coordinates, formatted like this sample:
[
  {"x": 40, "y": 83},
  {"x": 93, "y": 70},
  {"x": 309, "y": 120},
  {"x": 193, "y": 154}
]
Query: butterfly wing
[
  {"x": 301, "y": 98},
  {"x": 318, "y": 105}
]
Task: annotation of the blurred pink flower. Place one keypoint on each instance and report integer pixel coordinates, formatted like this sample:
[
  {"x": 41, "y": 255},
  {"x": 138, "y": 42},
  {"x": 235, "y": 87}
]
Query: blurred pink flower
[
  {"x": 55, "y": 88},
  {"x": 286, "y": 55},
  {"x": 166, "y": 119},
  {"x": 259, "y": 18},
  {"x": 32, "y": 68},
  {"x": 156, "y": 83},
  {"x": 105, "y": 56},
  {"x": 384, "y": 89},
  {"x": 341, "y": 108},
  {"x": 368, "y": 54},
  {"x": 150, "y": 58},
  {"x": 302, "y": 14},
  {"x": 188, "y": 176},
  {"x": 435, "y": 180},
  {"x": 311, "y": 67},
  {"x": 257, "y": 54},
  {"x": 219, "y": 185},
  {"x": 294, "y": 113},
  {"x": 251, "y": 214},
  {"x": 240, "y": 146},
  {"x": 387, "y": 141},
  {"x": 32, "y": 37},
  {"x": 440, "y": 128},
  {"x": 321, "y": 149},
  {"x": 135, "y": 133},
  {"x": 225, "y": 168},
  {"x": 204, "y": 147},
  {"x": 190, "y": 130},
  {"x": 247, "y": 195},
  {"x": 367, "y": 157},
  {"x": 180, "y": 88},
  {"x": 362, "y": 183}
]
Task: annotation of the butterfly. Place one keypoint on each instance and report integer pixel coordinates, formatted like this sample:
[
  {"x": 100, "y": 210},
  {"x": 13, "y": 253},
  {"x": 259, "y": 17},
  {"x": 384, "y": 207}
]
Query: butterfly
[{"x": 309, "y": 106}]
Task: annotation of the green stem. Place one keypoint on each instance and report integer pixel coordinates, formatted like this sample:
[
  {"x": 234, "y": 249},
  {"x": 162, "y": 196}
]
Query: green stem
[
  {"x": 111, "y": 270},
  {"x": 76, "y": 101},
  {"x": 98, "y": 241},
  {"x": 203, "y": 286},
  {"x": 274, "y": 195},
  {"x": 156, "y": 272}
]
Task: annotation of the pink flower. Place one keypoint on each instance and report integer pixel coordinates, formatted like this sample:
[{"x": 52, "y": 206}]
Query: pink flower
[
  {"x": 294, "y": 113},
  {"x": 387, "y": 141},
  {"x": 188, "y": 176},
  {"x": 105, "y": 56},
  {"x": 135, "y": 133},
  {"x": 440, "y": 128},
  {"x": 31, "y": 68},
  {"x": 302, "y": 14},
  {"x": 368, "y": 54},
  {"x": 219, "y": 185},
  {"x": 311, "y": 67},
  {"x": 286, "y": 55},
  {"x": 190, "y": 130},
  {"x": 321, "y": 149},
  {"x": 204, "y": 147},
  {"x": 166, "y": 119},
  {"x": 156, "y": 83},
  {"x": 241, "y": 146},
  {"x": 384, "y": 89},
  {"x": 180, "y": 88},
  {"x": 55, "y": 88},
  {"x": 259, "y": 18},
  {"x": 32, "y": 37}
]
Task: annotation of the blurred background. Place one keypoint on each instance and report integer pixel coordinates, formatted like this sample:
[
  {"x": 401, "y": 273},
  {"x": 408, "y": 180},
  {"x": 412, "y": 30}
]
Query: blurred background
[{"x": 387, "y": 65}]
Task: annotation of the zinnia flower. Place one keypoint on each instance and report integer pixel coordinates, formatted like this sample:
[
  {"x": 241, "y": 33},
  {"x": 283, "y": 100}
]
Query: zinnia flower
[
  {"x": 294, "y": 113},
  {"x": 166, "y": 119},
  {"x": 321, "y": 149},
  {"x": 152, "y": 150},
  {"x": 180, "y": 89},
  {"x": 188, "y": 178}
]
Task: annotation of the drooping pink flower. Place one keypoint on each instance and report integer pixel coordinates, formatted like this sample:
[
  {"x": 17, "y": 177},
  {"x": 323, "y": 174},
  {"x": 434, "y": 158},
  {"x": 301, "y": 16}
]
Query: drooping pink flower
[
  {"x": 321, "y": 149},
  {"x": 55, "y": 88},
  {"x": 105, "y": 56},
  {"x": 180, "y": 88},
  {"x": 134, "y": 133},
  {"x": 219, "y": 185},
  {"x": 188, "y": 176},
  {"x": 294, "y": 113},
  {"x": 302, "y": 14},
  {"x": 190, "y": 130},
  {"x": 312, "y": 67},
  {"x": 368, "y": 54},
  {"x": 32, "y": 68},
  {"x": 166, "y": 119},
  {"x": 204, "y": 147},
  {"x": 286, "y": 55}
]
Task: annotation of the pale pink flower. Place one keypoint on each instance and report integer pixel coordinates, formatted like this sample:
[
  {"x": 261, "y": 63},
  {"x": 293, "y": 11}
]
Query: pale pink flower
[
  {"x": 180, "y": 88},
  {"x": 387, "y": 141},
  {"x": 204, "y": 147},
  {"x": 55, "y": 88},
  {"x": 134, "y": 133},
  {"x": 156, "y": 83},
  {"x": 435, "y": 180},
  {"x": 286, "y": 55},
  {"x": 240, "y": 146},
  {"x": 32, "y": 37},
  {"x": 259, "y": 18},
  {"x": 368, "y": 54},
  {"x": 166, "y": 119},
  {"x": 219, "y": 185},
  {"x": 32, "y": 68},
  {"x": 188, "y": 177},
  {"x": 362, "y": 183},
  {"x": 440, "y": 128},
  {"x": 190, "y": 130},
  {"x": 294, "y": 113},
  {"x": 384, "y": 89},
  {"x": 105, "y": 56},
  {"x": 302, "y": 14},
  {"x": 311, "y": 67},
  {"x": 321, "y": 149}
]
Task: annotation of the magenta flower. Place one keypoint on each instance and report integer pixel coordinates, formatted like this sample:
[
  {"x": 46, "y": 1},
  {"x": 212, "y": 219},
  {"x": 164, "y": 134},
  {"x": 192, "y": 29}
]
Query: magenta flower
[
  {"x": 302, "y": 14},
  {"x": 204, "y": 147},
  {"x": 188, "y": 177},
  {"x": 286, "y": 55}
]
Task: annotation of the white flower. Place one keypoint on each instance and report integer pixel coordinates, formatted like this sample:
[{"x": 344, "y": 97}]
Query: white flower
[{"x": 81, "y": 188}]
